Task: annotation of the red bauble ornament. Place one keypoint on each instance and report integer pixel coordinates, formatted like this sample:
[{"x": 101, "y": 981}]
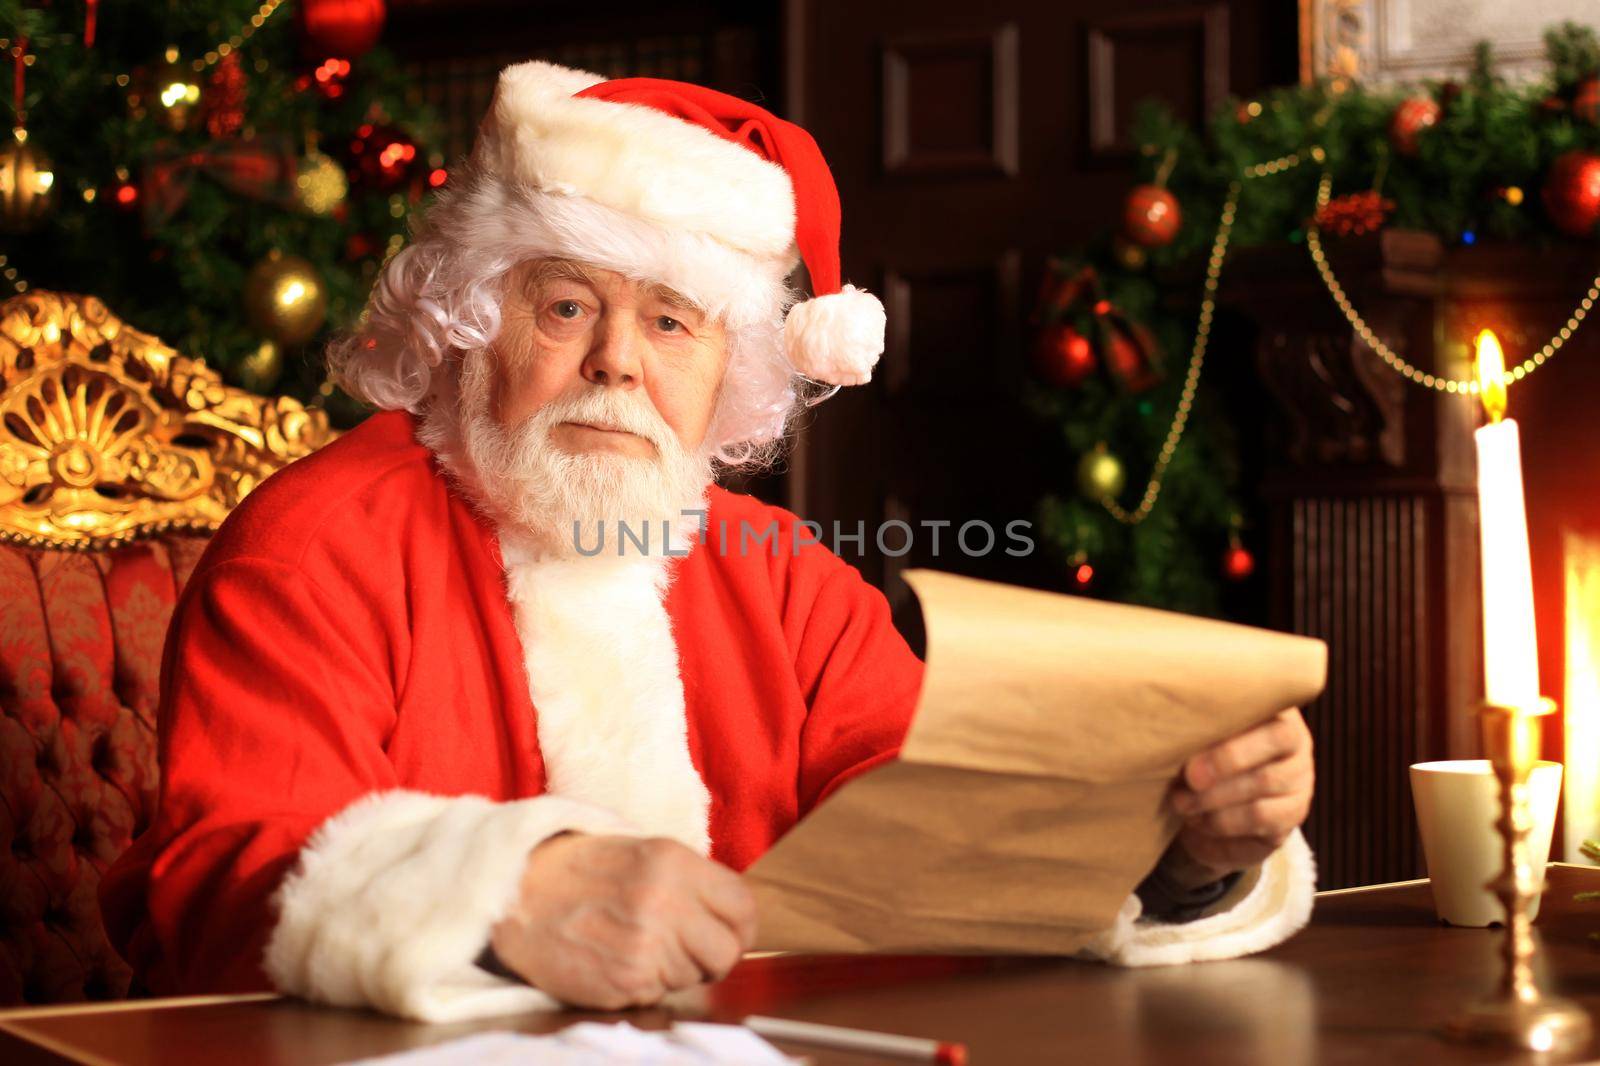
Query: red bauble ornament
[
  {"x": 380, "y": 158},
  {"x": 339, "y": 27},
  {"x": 1586, "y": 100},
  {"x": 1410, "y": 119},
  {"x": 1063, "y": 356},
  {"x": 1151, "y": 216},
  {"x": 1572, "y": 192},
  {"x": 1238, "y": 563}
]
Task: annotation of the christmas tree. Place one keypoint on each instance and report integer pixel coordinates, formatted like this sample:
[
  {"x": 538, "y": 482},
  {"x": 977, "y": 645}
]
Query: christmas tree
[
  {"x": 226, "y": 175},
  {"x": 1147, "y": 507}
]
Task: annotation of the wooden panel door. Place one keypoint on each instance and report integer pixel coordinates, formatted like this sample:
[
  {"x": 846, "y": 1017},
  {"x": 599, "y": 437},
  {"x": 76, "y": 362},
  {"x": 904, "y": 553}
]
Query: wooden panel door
[{"x": 969, "y": 142}]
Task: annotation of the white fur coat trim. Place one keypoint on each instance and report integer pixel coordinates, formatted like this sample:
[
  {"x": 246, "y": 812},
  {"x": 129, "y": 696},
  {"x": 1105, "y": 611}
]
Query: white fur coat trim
[
  {"x": 394, "y": 897},
  {"x": 1275, "y": 908},
  {"x": 602, "y": 669},
  {"x": 634, "y": 158}
]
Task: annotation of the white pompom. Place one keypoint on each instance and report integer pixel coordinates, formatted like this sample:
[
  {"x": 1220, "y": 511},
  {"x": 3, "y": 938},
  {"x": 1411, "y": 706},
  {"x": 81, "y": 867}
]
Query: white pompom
[{"x": 836, "y": 338}]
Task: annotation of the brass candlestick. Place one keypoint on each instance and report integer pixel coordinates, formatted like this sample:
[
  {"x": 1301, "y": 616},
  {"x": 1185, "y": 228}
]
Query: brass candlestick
[{"x": 1520, "y": 1014}]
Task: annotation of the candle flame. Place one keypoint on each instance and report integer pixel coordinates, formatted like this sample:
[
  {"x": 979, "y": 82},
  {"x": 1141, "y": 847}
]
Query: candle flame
[{"x": 1491, "y": 372}]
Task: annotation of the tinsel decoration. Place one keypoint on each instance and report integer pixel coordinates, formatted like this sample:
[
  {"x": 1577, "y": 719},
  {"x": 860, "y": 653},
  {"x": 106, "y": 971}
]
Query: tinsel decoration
[
  {"x": 320, "y": 184},
  {"x": 1355, "y": 214},
  {"x": 223, "y": 109}
]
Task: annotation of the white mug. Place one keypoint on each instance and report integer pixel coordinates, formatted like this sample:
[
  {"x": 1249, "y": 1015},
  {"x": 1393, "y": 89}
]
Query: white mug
[{"x": 1458, "y": 802}]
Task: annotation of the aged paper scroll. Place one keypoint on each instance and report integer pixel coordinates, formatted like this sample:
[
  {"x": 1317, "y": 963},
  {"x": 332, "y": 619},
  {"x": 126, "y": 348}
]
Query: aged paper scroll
[{"x": 1030, "y": 796}]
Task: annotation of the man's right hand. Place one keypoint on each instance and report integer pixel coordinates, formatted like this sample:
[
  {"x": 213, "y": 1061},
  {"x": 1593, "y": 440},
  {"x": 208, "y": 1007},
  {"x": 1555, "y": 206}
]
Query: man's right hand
[{"x": 610, "y": 922}]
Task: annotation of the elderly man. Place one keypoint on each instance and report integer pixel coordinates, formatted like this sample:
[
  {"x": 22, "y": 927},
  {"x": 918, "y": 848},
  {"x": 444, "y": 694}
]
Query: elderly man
[{"x": 424, "y": 749}]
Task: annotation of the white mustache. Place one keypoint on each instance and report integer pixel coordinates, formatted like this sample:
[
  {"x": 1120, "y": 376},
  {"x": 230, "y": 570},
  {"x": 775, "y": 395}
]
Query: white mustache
[{"x": 604, "y": 409}]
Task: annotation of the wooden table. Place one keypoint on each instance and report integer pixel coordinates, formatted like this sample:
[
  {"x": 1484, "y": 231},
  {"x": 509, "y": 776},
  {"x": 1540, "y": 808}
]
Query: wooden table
[{"x": 1371, "y": 980}]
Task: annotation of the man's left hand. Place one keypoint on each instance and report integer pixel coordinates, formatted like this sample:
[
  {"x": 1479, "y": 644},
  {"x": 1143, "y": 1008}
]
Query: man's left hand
[{"x": 1241, "y": 799}]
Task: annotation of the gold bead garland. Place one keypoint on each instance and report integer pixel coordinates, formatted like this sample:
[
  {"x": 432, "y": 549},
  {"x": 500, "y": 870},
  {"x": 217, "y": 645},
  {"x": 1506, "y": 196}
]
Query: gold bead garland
[
  {"x": 1391, "y": 358},
  {"x": 9, "y": 272},
  {"x": 1202, "y": 339},
  {"x": 263, "y": 13}
]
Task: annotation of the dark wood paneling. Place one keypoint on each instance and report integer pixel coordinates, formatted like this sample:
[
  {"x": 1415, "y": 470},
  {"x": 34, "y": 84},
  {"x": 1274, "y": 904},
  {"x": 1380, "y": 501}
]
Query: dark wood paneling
[
  {"x": 945, "y": 324},
  {"x": 1179, "y": 56},
  {"x": 950, "y": 103}
]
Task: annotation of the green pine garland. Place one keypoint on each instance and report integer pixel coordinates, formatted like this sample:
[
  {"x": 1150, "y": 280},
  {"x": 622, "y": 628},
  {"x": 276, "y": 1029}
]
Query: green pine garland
[
  {"x": 1491, "y": 137},
  {"x": 183, "y": 279}
]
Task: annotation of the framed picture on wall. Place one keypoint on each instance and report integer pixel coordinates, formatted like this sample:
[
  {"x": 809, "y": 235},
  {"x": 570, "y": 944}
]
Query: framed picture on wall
[{"x": 1385, "y": 42}]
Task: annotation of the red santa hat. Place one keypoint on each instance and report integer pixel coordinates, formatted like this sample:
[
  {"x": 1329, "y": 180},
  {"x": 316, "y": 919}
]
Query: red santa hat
[{"x": 732, "y": 190}]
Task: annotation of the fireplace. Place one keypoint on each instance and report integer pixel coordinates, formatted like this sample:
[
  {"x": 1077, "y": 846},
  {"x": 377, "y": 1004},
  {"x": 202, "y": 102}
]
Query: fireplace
[
  {"x": 1580, "y": 703},
  {"x": 1371, "y": 501}
]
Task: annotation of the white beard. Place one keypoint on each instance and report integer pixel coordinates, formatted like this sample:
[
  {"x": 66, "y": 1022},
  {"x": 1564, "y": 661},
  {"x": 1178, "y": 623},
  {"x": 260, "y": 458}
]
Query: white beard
[{"x": 561, "y": 502}]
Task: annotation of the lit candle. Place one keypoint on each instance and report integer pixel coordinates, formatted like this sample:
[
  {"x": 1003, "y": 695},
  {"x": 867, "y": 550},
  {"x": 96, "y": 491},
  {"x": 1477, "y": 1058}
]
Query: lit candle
[{"x": 1510, "y": 648}]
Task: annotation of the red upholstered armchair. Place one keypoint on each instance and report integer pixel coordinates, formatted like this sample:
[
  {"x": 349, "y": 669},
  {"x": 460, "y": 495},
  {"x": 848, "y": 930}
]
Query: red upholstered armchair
[{"x": 118, "y": 458}]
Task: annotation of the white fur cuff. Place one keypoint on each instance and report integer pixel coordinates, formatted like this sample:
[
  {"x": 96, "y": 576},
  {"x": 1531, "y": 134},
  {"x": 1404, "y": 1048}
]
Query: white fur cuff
[
  {"x": 836, "y": 338},
  {"x": 1275, "y": 908},
  {"x": 394, "y": 897}
]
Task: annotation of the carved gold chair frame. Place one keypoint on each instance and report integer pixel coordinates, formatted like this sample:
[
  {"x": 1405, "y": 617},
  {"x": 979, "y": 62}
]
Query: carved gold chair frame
[{"x": 108, "y": 435}]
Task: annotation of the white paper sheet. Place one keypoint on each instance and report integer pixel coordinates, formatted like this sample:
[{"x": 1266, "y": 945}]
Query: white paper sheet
[{"x": 598, "y": 1044}]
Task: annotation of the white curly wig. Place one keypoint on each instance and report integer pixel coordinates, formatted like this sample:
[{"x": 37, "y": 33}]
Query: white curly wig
[{"x": 437, "y": 302}]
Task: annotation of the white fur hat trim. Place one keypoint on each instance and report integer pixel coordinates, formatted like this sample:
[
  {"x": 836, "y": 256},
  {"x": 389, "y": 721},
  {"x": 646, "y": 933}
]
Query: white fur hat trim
[{"x": 634, "y": 159}]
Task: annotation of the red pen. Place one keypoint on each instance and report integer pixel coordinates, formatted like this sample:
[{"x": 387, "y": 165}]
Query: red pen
[{"x": 914, "y": 1048}]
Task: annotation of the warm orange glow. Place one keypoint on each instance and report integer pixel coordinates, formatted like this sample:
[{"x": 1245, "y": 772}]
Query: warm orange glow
[
  {"x": 1490, "y": 366},
  {"x": 1582, "y": 697}
]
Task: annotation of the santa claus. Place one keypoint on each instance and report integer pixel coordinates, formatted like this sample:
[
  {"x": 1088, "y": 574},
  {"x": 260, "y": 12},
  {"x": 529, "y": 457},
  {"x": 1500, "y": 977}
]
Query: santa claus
[{"x": 424, "y": 749}]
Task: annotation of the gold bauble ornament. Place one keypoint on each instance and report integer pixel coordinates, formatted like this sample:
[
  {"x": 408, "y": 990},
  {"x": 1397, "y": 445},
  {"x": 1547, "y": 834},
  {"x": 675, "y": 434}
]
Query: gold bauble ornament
[
  {"x": 284, "y": 298},
  {"x": 27, "y": 185},
  {"x": 260, "y": 370},
  {"x": 175, "y": 92},
  {"x": 320, "y": 184},
  {"x": 1100, "y": 474}
]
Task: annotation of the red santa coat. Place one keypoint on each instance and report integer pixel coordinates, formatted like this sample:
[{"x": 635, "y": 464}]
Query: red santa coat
[{"x": 372, "y": 710}]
